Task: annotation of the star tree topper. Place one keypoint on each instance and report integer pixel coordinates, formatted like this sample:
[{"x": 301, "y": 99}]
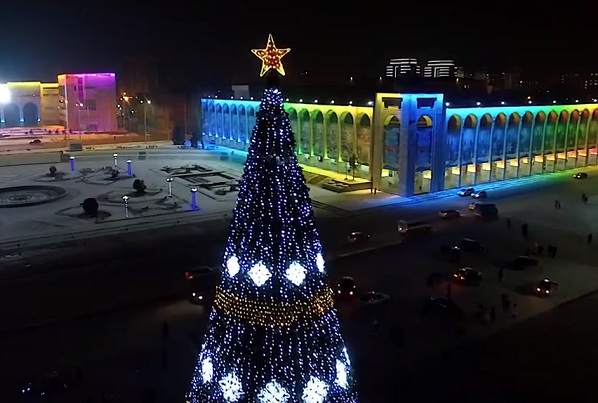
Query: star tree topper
[{"x": 271, "y": 57}]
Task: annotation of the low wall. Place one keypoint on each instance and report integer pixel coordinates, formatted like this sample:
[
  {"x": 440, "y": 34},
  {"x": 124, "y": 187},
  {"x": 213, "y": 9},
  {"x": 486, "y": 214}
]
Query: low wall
[{"x": 51, "y": 157}]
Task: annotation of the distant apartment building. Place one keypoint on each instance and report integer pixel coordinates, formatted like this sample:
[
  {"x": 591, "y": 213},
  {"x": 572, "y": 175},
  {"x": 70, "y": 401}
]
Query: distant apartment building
[
  {"x": 88, "y": 102},
  {"x": 440, "y": 69},
  {"x": 401, "y": 67},
  {"x": 410, "y": 67}
]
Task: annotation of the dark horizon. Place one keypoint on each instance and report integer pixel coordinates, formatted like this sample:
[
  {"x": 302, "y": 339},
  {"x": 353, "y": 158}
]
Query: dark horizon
[{"x": 210, "y": 43}]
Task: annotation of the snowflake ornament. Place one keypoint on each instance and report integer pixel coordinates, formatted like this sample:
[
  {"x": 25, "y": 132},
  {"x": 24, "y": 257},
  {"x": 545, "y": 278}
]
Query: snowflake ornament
[
  {"x": 320, "y": 262},
  {"x": 231, "y": 388},
  {"x": 259, "y": 274},
  {"x": 296, "y": 273},
  {"x": 315, "y": 391},
  {"x": 232, "y": 266},
  {"x": 207, "y": 370},
  {"x": 273, "y": 393},
  {"x": 341, "y": 374}
]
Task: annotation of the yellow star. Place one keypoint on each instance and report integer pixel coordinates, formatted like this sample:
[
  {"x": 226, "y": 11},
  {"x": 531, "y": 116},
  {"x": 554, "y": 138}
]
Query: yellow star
[{"x": 271, "y": 57}]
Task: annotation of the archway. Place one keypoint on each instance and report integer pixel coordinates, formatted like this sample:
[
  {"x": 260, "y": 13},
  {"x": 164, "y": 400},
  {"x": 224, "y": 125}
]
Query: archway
[
  {"x": 332, "y": 136},
  {"x": 392, "y": 132},
  {"x": 12, "y": 117},
  {"x": 364, "y": 133},
  {"x": 30, "y": 114},
  {"x": 318, "y": 133}
]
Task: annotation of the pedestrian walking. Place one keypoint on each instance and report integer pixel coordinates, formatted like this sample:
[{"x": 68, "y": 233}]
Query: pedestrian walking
[
  {"x": 449, "y": 290},
  {"x": 556, "y": 204},
  {"x": 500, "y": 274},
  {"x": 514, "y": 312},
  {"x": 554, "y": 251},
  {"x": 165, "y": 329},
  {"x": 583, "y": 197},
  {"x": 590, "y": 237},
  {"x": 493, "y": 313}
]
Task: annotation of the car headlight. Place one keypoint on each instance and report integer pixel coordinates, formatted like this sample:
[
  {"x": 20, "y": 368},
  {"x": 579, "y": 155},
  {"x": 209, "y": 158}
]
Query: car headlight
[{"x": 537, "y": 289}]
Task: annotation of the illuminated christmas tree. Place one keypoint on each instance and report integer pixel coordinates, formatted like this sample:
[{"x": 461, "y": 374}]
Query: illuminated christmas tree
[{"x": 274, "y": 336}]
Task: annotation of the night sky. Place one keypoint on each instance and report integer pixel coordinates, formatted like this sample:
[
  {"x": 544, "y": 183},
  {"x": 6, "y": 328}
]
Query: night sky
[{"x": 200, "y": 42}]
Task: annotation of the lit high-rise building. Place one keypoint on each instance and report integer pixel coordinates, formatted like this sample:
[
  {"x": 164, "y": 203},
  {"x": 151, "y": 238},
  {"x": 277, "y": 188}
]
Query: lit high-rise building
[
  {"x": 403, "y": 67},
  {"x": 440, "y": 68}
]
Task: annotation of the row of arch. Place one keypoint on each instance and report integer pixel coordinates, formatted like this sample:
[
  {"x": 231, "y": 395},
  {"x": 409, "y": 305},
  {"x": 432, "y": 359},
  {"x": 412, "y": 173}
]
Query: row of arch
[
  {"x": 12, "y": 115},
  {"x": 322, "y": 134},
  {"x": 475, "y": 139}
]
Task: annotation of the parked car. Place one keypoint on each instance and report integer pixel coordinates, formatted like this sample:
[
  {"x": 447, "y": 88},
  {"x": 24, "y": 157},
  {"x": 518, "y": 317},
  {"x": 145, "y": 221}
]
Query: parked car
[
  {"x": 346, "y": 288},
  {"x": 479, "y": 195},
  {"x": 449, "y": 214},
  {"x": 442, "y": 307},
  {"x": 546, "y": 287},
  {"x": 474, "y": 205},
  {"x": 465, "y": 192},
  {"x": 580, "y": 175},
  {"x": 486, "y": 210},
  {"x": 358, "y": 237},
  {"x": 523, "y": 262},
  {"x": 470, "y": 245},
  {"x": 36, "y": 141},
  {"x": 467, "y": 275},
  {"x": 414, "y": 227}
]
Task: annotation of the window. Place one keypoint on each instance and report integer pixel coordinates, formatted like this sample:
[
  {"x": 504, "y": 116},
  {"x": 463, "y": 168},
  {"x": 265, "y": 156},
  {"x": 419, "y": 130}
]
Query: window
[{"x": 90, "y": 104}]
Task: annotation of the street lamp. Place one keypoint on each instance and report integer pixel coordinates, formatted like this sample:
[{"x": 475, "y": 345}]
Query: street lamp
[
  {"x": 169, "y": 180},
  {"x": 126, "y": 200},
  {"x": 125, "y": 101},
  {"x": 147, "y": 102},
  {"x": 115, "y": 159},
  {"x": 193, "y": 198}
]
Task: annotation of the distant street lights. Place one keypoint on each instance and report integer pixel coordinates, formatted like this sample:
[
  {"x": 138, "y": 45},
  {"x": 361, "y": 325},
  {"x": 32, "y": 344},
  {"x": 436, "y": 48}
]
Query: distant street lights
[
  {"x": 126, "y": 200},
  {"x": 169, "y": 180},
  {"x": 115, "y": 160}
]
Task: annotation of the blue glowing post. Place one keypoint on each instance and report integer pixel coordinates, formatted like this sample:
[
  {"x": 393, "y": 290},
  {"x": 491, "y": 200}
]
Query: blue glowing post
[
  {"x": 274, "y": 335},
  {"x": 72, "y": 163},
  {"x": 193, "y": 198},
  {"x": 129, "y": 168},
  {"x": 115, "y": 160}
]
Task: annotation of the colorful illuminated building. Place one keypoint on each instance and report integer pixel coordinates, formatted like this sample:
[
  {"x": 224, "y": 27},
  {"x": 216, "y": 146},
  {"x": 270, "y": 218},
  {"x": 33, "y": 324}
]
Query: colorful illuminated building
[
  {"x": 410, "y": 144},
  {"x": 85, "y": 102}
]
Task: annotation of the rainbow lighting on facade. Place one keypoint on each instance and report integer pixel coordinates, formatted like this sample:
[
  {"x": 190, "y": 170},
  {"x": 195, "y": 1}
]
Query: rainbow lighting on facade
[
  {"x": 90, "y": 107},
  {"x": 411, "y": 144}
]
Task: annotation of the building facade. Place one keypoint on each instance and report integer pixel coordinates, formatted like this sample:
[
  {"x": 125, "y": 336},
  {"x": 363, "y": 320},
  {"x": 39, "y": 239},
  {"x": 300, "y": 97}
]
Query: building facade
[
  {"x": 88, "y": 102},
  {"x": 410, "y": 144}
]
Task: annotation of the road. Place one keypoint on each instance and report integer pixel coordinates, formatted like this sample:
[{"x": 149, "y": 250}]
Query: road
[{"x": 145, "y": 270}]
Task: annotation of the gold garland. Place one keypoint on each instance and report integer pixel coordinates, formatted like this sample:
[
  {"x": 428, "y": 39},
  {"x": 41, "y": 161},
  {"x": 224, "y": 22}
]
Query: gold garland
[{"x": 263, "y": 313}]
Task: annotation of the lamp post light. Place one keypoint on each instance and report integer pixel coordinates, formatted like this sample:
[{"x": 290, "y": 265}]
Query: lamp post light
[
  {"x": 194, "y": 198},
  {"x": 169, "y": 180},
  {"x": 126, "y": 200},
  {"x": 72, "y": 159},
  {"x": 146, "y": 132},
  {"x": 129, "y": 168},
  {"x": 115, "y": 160}
]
